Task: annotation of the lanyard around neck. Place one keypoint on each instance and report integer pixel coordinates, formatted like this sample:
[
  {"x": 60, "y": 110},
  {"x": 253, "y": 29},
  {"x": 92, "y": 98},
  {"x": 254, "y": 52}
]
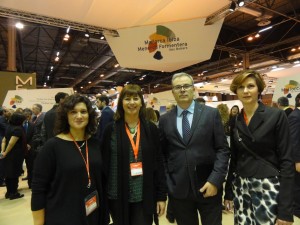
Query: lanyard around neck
[
  {"x": 86, "y": 162},
  {"x": 135, "y": 146}
]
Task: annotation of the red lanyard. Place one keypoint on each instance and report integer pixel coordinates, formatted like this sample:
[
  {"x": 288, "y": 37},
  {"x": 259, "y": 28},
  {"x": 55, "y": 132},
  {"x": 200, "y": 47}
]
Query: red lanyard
[
  {"x": 86, "y": 162},
  {"x": 135, "y": 146}
]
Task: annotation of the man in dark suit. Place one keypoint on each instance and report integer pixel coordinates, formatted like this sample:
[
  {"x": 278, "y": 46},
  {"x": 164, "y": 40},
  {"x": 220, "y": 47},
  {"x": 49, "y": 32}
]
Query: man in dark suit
[
  {"x": 196, "y": 156},
  {"x": 294, "y": 124},
  {"x": 29, "y": 154},
  {"x": 283, "y": 103},
  {"x": 107, "y": 115},
  {"x": 49, "y": 119}
]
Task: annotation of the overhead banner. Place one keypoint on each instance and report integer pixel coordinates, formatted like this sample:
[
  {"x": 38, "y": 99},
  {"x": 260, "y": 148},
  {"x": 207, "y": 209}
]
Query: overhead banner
[
  {"x": 26, "y": 98},
  {"x": 288, "y": 87},
  {"x": 165, "y": 47},
  {"x": 15, "y": 81}
]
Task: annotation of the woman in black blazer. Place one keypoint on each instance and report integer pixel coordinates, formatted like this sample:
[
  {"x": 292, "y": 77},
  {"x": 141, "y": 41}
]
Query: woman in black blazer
[{"x": 260, "y": 179}]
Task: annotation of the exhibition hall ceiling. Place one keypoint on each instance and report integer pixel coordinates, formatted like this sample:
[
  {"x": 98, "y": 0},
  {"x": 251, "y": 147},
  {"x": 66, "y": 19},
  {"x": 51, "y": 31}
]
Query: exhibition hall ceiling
[{"x": 84, "y": 60}]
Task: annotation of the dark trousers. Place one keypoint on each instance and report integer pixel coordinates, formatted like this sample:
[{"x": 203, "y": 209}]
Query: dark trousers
[
  {"x": 297, "y": 195},
  {"x": 12, "y": 185},
  {"x": 186, "y": 210},
  {"x": 2, "y": 171},
  {"x": 137, "y": 215},
  {"x": 29, "y": 160}
]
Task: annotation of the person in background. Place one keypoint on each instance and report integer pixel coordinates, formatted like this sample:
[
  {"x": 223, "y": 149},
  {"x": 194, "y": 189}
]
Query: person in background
[
  {"x": 107, "y": 115},
  {"x": 151, "y": 115},
  {"x": 294, "y": 124},
  {"x": 283, "y": 103},
  {"x": 37, "y": 119},
  {"x": 12, "y": 152},
  {"x": 200, "y": 101},
  {"x": 67, "y": 186},
  {"x": 224, "y": 113},
  {"x": 49, "y": 118},
  {"x": 234, "y": 111},
  {"x": 170, "y": 106},
  {"x": 29, "y": 154},
  {"x": 157, "y": 114},
  {"x": 196, "y": 156},
  {"x": 133, "y": 163},
  {"x": 261, "y": 159},
  {"x": 3, "y": 125}
]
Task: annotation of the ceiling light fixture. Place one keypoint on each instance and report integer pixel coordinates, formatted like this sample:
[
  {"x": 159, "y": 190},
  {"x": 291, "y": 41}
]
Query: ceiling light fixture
[
  {"x": 19, "y": 25},
  {"x": 68, "y": 29},
  {"x": 265, "y": 29},
  {"x": 241, "y": 3},
  {"x": 250, "y": 38},
  {"x": 87, "y": 35},
  {"x": 232, "y": 6},
  {"x": 56, "y": 59}
]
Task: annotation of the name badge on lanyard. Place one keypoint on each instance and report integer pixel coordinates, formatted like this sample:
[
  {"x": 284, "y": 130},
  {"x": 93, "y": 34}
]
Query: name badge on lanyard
[
  {"x": 91, "y": 202},
  {"x": 136, "y": 168}
]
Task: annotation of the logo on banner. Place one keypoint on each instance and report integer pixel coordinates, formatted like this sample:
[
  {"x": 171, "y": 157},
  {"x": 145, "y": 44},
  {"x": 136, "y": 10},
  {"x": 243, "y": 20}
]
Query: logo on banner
[
  {"x": 291, "y": 87},
  {"x": 163, "y": 40},
  {"x": 15, "y": 100}
]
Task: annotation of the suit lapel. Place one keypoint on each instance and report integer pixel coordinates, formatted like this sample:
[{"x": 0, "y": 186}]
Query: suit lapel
[
  {"x": 256, "y": 122},
  {"x": 257, "y": 118},
  {"x": 173, "y": 118},
  {"x": 196, "y": 117}
]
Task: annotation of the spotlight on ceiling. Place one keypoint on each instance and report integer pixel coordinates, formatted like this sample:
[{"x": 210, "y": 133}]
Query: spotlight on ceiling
[
  {"x": 241, "y": 3},
  {"x": 86, "y": 34},
  {"x": 19, "y": 25},
  {"x": 232, "y": 6}
]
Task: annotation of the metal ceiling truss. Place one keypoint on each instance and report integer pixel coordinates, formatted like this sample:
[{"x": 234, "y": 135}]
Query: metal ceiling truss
[{"x": 31, "y": 17}]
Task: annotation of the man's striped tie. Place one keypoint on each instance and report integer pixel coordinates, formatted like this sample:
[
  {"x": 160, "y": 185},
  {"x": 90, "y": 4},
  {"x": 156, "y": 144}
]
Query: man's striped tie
[{"x": 186, "y": 129}]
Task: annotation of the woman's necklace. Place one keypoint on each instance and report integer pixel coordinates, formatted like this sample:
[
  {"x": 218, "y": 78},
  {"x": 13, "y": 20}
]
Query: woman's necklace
[
  {"x": 81, "y": 145},
  {"x": 132, "y": 130}
]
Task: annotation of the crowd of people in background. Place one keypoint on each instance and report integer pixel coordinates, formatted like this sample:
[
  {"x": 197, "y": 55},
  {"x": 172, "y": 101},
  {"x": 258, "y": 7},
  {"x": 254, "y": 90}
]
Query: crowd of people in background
[{"x": 85, "y": 169}]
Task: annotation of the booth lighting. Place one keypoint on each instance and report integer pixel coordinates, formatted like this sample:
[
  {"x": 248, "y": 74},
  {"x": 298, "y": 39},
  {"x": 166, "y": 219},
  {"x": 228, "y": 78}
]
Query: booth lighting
[
  {"x": 265, "y": 29},
  {"x": 241, "y": 3},
  {"x": 232, "y": 6},
  {"x": 19, "y": 25}
]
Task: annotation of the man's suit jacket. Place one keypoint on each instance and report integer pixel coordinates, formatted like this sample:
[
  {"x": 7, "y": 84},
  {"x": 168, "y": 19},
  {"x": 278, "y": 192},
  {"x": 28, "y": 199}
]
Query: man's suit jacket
[
  {"x": 204, "y": 158},
  {"x": 29, "y": 133},
  {"x": 107, "y": 115},
  {"x": 37, "y": 136},
  {"x": 294, "y": 124},
  {"x": 49, "y": 122}
]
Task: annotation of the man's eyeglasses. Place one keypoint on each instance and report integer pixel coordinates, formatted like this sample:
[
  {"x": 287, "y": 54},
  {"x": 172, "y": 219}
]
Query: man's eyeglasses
[{"x": 185, "y": 87}]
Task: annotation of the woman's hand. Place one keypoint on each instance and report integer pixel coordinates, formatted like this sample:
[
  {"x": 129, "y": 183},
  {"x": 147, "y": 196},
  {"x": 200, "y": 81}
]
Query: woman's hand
[{"x": 160, "y": 208}]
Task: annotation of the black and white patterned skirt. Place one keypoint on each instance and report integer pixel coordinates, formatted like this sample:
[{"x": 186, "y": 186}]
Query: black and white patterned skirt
[{"x": 255, "y": 201}]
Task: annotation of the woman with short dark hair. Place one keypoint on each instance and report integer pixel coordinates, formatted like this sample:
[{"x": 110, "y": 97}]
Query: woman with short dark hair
[
  {"x": 67, "y": 185},
  {"x": 261, "y": 159},
  {"x": 13, "y": 151}
]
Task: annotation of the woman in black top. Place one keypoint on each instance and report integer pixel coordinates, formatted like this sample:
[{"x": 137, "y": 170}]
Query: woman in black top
[
  {"x": 133, "y": 163},
  {"x": 67, "y": 183},
  {"x": 262, "y": 188},
  {"x": 13, "y": 152}
]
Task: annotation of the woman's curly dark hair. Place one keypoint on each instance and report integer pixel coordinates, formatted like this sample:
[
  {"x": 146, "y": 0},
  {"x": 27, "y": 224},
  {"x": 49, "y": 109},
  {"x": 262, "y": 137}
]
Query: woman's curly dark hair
[{"x": 61, "y": 119}]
